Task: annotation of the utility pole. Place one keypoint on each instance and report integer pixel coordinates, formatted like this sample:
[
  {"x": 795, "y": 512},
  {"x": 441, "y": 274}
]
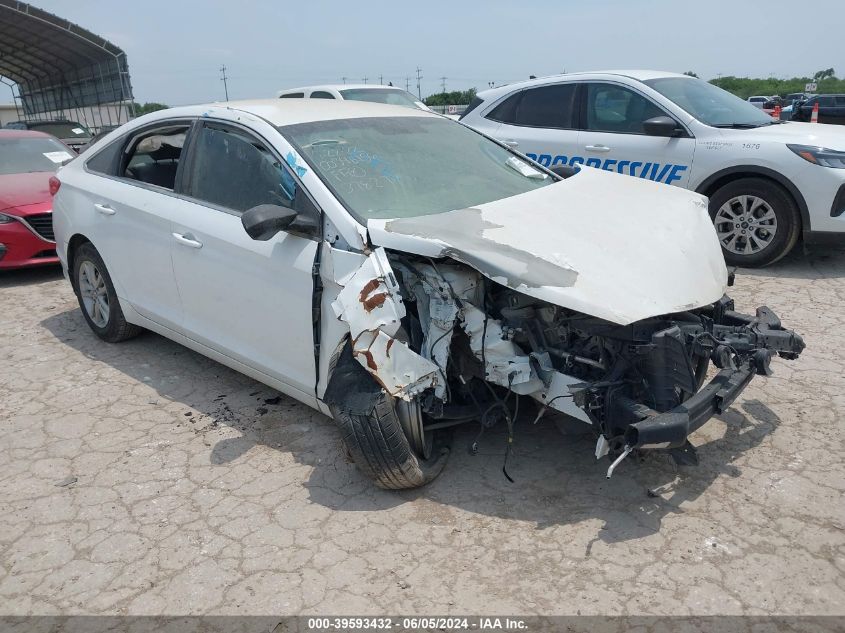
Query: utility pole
[
  {"x": 223, "y": 79},
  {"x": 419, "y": 76},
  {"x": 344, "y": 79},
  {"x": 407, "y": 84},
  {"x": 365, "y": 79},
  {"x": 380, "y": 79},
  {"x": 443, "y": 84}
]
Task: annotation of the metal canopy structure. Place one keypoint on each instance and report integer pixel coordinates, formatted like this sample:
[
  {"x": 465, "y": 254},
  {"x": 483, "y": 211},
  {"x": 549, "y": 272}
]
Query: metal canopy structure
[{"x": 56, "y": 69}]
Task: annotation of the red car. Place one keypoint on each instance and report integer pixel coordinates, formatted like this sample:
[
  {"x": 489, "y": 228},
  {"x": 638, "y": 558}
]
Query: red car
[{"x": 27, "y": 162}]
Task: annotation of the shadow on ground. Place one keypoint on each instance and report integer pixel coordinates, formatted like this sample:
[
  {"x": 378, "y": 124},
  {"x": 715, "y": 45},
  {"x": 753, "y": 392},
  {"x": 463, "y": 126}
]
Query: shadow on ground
[
  {"x": 814, "y": 263},
  {"x": 29, "y": 276},
  {"x": 557, "y": 481}
]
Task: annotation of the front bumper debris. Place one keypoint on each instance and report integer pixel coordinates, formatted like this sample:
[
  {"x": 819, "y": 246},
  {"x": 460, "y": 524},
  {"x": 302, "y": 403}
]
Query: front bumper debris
[{"x": 744, "y": 348}]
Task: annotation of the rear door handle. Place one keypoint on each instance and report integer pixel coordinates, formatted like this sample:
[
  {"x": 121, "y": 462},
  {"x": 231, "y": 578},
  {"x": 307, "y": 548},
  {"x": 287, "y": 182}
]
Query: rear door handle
[
  {"x": 511, "y": 143},
  {"x": 104, "y": 209},
  {"x": 187, "y": 240},
  {"x": 597, "y": 148}
]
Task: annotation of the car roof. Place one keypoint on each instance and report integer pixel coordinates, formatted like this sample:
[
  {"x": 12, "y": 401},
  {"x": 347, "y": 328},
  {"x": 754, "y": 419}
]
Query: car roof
[
  {"x": 23, "y": 134},
  {"x": 639, "y": 75},
  {"x": 281, "y": 112},
  {"x": 342, "y": 87}
]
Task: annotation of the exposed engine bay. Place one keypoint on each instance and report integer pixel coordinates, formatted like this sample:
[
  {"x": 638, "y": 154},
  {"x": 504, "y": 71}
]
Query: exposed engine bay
[{"x": 462, "y": 348}]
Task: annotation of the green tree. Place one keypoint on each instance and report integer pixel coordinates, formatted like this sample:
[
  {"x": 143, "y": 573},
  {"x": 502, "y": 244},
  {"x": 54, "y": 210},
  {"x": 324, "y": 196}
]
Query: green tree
[
  {"x": 689, "y": 73},
  {"x": 148, "y": 107},
  {"x": 456, "y": 97},
  {"x": 824, "y": 74}
]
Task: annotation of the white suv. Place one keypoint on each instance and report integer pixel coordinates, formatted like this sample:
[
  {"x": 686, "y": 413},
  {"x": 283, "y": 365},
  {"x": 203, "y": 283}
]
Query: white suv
[
  {"x": 374, "y": 93},
  {"x": 768, "y": 181}
]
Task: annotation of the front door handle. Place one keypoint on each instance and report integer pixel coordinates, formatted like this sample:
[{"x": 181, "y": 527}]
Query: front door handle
[
  {"x": 597, "y": 148},
  {"x": 187, "y": 240},
  {"x": 104, "y": 209},
  {"x": 511, "y": 143}
]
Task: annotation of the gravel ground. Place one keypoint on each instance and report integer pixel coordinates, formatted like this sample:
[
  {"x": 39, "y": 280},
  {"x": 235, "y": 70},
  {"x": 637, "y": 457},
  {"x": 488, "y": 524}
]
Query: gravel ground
[{"x": 142, "y": 478}]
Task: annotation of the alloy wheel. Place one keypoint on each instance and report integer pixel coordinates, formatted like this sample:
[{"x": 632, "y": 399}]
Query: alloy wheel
[
  {"x": 745, "y": 225},
  {"x": 92, "y": 290}
]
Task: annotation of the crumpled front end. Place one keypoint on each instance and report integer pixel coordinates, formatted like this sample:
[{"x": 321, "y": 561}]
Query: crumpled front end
[{"x": 466, "y": 349}]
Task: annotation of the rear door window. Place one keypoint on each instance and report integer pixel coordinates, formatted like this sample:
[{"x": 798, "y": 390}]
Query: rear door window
[
  {"x": 321, "y": 94},
  {"x": 547, "y": 106},
  {"x": 153, "y": 157},
  {"x": 292, "y": 95}
]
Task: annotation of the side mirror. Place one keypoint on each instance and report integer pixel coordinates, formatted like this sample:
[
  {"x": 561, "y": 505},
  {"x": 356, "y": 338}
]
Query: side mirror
[
  {"x": 662, "y": 126},
  {"x": 264, "y": 221},
  {"x": 564, "y": 171}
]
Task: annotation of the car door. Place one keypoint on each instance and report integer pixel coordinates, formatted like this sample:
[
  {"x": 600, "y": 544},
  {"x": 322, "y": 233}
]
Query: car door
[
  {"x": 249, "y": 300},
  {"x": 130, "y": 188},
  {"x": 540, "y": 123},
  {"x": 613, "y": 138}
]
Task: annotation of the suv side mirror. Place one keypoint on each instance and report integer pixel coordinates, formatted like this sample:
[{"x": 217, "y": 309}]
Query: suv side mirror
[
  {"x": 662, "y": 126},
  {"x": 264, "y": 221},
  {"x": 564, "y": 171}
]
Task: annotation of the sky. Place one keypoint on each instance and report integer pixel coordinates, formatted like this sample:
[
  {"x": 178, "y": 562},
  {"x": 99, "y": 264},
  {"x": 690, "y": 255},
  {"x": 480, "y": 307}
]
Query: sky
[{"x": 175, "y": 48}]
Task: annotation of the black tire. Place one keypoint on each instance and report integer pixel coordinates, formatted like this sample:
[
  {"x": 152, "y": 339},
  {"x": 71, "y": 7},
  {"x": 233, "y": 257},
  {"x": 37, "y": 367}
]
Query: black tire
[
  {"x": 115, "y": 328},
  {"x": 785, "y": 211},
  {"x": 380, "y": 450}
]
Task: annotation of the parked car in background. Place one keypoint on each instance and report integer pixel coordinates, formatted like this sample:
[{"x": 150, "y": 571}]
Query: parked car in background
[
  {"x": 355, "y": 92},
  {"x": 758, "y": 101},
  {"x": 831, "y": 109},
  {"x": 793, "y": 97},
  {"x": 73, "y": 134},
  {"x": 403, "y": 273},
  {"x": 768, "y": 181},
  {"x": 27, "y": 162}
]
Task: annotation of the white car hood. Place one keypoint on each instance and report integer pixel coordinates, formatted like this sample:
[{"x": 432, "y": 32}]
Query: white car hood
[
  {"x": 821, "y": 134},
  {"x": 612, "y": 246}
]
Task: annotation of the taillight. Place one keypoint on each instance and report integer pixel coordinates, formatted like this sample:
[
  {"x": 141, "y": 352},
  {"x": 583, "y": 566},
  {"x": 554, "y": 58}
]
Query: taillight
[{"x": 55, "y": 183}]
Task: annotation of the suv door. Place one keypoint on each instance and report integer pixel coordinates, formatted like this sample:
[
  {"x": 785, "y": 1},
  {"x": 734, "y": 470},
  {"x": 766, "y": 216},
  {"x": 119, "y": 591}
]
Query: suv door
[
  {"x": 249, "y": 300},
  {"x": 130, "y": 187},
  {"x": 541, "y": 123},
  {"x": 613, "y": 137}
]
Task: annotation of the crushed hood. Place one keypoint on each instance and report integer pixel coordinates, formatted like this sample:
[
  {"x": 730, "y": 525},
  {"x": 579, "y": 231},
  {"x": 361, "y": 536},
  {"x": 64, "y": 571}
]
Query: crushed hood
[{"x": 615, "y": 247}]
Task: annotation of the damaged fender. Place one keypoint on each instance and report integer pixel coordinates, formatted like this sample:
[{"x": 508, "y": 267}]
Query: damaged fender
[{"x": 371, "y": 304}]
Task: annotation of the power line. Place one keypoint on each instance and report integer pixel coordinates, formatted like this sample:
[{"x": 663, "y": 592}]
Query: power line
[
  {"x": 223, "y": 79},
  {"x": 419, "y": 76}
]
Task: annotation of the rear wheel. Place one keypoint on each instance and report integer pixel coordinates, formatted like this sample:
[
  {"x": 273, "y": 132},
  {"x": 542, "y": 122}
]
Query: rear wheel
[
  {"x": 97, "y": 297},
  {"x": 756, "y": 220}
]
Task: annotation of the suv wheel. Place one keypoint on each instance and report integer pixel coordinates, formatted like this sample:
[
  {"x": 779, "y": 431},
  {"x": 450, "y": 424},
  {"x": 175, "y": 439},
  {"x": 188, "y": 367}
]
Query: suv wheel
[{"x": 757, "y": 222}]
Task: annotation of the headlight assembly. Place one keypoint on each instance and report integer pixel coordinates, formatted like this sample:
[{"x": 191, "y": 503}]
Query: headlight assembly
[{"x": 820, "y": 155}]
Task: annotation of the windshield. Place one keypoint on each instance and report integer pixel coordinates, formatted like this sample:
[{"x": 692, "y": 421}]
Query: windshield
[
  {"x": 376, "y": 95},
  {"x": 61, "y": 129},
  {"x": 392, "y": 167},
  {"x": 23, "y": 155},
  {"x": 708, "y": 103}
]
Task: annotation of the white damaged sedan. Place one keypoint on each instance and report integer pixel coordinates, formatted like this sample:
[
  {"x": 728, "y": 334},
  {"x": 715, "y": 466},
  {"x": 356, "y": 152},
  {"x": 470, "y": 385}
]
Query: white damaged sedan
[{"x": 406, "y": 274}]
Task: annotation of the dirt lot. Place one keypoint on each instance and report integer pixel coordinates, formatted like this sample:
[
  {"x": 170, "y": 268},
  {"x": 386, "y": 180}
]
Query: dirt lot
[{"x": 142, "y": 478}]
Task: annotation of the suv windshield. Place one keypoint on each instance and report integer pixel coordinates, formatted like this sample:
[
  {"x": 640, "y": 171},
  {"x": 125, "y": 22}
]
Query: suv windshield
[
  {"x": 61, "y": 129},
  {"x": 708, "y": 103},
  {"x": 376, "y": 95},
  {"x": 391, "y": 167},
  {"x": 24, "y": 155}
]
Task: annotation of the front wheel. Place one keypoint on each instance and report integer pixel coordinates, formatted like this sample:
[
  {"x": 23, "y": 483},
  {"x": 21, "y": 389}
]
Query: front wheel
[{"x": 756, "y": 220}]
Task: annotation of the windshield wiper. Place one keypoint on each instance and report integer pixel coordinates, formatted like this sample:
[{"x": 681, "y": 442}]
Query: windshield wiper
[{"x": 739, "y": 126}]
